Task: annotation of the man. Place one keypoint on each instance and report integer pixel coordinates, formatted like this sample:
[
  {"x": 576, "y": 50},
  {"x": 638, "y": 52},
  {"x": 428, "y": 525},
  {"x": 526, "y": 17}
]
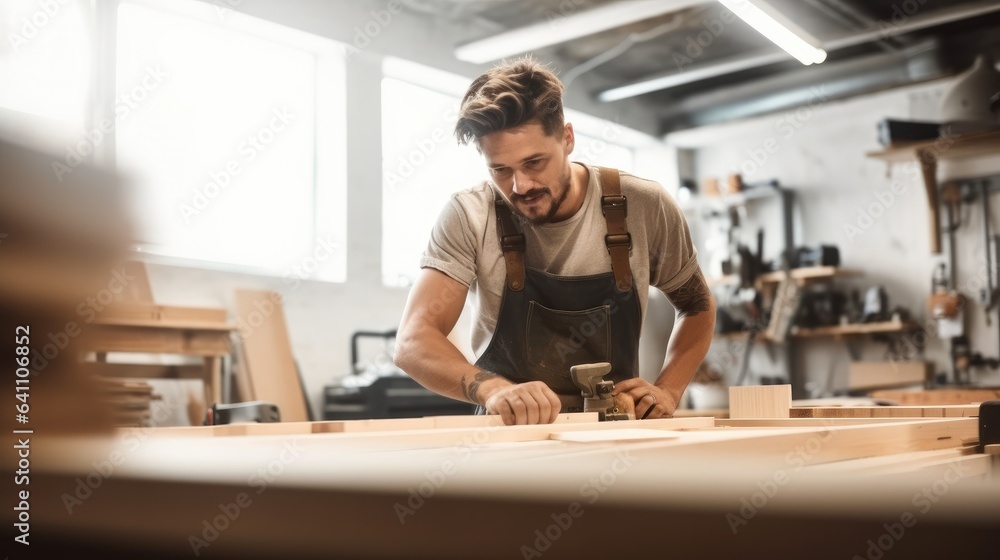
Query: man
[{"x": 558, "y": 261}]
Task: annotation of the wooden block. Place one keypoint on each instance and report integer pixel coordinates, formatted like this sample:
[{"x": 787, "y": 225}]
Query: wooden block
[
  {"x": 613, "y": 435},
  {"x": 761, "y": 401},
  {"x": 877, "y": 375}
]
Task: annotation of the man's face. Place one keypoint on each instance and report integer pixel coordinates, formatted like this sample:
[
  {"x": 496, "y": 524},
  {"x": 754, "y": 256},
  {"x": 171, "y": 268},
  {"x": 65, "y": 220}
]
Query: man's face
[{"x": 531, "y": 169}]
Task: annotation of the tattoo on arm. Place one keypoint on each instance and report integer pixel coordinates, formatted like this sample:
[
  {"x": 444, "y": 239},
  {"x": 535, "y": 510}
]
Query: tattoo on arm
[
  {"x": 692, "y": 298},
  {"x": 471, "y": 390}
]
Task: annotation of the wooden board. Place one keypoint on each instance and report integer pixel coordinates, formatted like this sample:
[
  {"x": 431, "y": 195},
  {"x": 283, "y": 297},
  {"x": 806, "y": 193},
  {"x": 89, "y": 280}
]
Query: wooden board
[
  {"x": 946, "y": 411},
  {"x": 939, "y": 396},
  {"x": 604, "y": 436},
  {"x": 760, "y": 401},
  {"x": 112, "y": 338},
  {"x": 145, "y": 314},
  {"x": 146, "y": 371},
  {"x": 267, "y": 353},
  {"x": 877, "y": 375}
]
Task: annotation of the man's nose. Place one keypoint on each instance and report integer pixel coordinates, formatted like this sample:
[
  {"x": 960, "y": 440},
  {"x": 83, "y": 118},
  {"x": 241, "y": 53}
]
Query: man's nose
[{"x": 522, "y": 184}]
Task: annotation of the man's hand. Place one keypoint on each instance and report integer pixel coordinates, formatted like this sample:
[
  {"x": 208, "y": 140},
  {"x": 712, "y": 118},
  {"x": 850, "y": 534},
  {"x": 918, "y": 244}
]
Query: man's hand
[
  {"x": 650, "y": 400},
  {"x": 522, "y": 403}
]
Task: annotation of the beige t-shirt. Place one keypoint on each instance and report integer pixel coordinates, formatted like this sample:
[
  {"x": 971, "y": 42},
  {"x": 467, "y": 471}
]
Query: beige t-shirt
[{"x": 464, "y": 245}]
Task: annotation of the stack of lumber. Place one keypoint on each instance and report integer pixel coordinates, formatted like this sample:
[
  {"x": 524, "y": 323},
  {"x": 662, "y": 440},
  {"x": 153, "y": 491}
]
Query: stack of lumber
[{"x": 129, "y": 401}]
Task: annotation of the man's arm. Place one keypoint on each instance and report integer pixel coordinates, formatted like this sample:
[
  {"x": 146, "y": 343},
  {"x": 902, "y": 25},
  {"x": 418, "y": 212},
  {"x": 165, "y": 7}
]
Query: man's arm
[
  {"x": 425, "y": 353},
  {"x": 688, "y": 345}
]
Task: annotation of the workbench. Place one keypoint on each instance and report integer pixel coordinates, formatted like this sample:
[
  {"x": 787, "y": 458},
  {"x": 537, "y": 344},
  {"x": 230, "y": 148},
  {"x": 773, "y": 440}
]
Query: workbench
[{"x": 466, "y": 486}]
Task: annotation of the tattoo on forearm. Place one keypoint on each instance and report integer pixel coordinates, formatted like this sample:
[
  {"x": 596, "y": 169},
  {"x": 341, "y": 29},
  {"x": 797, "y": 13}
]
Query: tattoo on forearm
[
  {"x": 471, "y": 390},
  {"x": 692, "y": 298}
]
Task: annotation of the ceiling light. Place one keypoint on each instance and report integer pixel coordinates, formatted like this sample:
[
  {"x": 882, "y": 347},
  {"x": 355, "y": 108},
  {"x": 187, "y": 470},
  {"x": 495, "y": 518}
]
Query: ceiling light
[{"x": 770, "y": 23}]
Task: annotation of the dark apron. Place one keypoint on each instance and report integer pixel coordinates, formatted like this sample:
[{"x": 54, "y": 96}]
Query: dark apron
[{"x": 549, "y": 323}]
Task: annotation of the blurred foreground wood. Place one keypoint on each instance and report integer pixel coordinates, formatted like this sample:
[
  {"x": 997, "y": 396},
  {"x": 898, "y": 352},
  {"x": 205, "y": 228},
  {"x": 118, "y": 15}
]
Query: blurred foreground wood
[{"x": 460, "y": 487}]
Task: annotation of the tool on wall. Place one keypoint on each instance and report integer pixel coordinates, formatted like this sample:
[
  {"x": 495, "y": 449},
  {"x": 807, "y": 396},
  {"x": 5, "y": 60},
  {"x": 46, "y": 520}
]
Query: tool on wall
[
  {"x": 946, "y": 304},
  {"x": 598, "y": 392},
  {"x": 990, "y": 295}
]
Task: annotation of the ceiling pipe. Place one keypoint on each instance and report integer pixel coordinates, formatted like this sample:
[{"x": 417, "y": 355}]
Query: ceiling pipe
[
  {"x": 697, "y": 73},
  {"x": 837, "y": 80},
  {"x": 563, "y": 27}
]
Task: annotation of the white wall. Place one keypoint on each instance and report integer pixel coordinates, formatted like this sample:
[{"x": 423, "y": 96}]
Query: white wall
[{"x": 819, "y": 152}]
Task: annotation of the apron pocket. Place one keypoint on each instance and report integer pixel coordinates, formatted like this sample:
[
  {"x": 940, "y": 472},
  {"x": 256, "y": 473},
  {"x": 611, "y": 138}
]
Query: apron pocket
[{"x": 560, "y": 339}]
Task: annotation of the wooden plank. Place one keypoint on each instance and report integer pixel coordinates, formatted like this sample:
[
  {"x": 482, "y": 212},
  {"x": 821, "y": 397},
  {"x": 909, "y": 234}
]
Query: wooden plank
[
  {"x": 761, "y": 401},
  {"x": 949, "y": 411},
  {"x": 827, "y": 444},
  {"x": 450, "y": 437},
  {"x": 801, "y": 422},
  {"x": 604, "y": 436},
  {"x": 964, "y": 467},
  {"x": 143, "y": 371},
  {"x": 477, "y": 421},
  {"x": 111, "y": 338},
  {"x": 695, "y": 412},
  {"x": 939, "y": 396},
  {"x": 877, "y": 375},
  {"x": 267, "y": 353},
  {"x": 886, "y": 463},
  {"x": 154, "y": 315}
]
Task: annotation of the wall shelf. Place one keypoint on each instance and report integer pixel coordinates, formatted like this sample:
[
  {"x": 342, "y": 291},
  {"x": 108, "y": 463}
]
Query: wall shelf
[
  {"x": 801, "y": 275},
  {"x": 854, "y": 329},
  {"x": 928, "y": 154},
  {"x": 807, "y": 274}
]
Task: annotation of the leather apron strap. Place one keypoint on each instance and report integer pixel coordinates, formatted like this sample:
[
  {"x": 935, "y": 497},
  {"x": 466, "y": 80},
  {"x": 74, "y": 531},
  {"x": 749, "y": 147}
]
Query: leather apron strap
[
  {"x": 511, "y": 243},
  {"x": 618, "y": 239}
]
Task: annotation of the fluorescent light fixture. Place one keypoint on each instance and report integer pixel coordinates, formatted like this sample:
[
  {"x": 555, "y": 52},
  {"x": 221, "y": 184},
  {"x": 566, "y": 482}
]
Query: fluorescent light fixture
[
  {"x": 563, "y": 27},
  {"x": 781, "y": 31}
]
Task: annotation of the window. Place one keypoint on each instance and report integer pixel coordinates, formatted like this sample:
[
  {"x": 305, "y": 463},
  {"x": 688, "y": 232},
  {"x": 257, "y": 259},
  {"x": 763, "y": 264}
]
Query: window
[
  {"x": 45, "y": 61},
  {"x": 422, "y": 166},
  {"x": 232, "y": 130}
]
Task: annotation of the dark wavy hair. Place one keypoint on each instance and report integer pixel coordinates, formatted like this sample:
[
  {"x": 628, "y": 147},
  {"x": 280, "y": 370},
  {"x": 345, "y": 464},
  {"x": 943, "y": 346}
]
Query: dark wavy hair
[{"x": 510, "y": 95}]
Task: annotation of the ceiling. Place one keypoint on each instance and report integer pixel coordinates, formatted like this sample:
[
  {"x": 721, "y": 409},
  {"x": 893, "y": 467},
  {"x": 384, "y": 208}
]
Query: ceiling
[{"x": 735, "y": 72}]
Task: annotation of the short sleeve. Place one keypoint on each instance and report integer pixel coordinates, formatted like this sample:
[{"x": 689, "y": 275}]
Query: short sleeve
[
  {"x": 452, "y": 247},
  {"x": 672, "y": 256}
]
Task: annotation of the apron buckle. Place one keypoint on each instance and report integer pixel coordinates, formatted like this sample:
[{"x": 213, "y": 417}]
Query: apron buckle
[
  {"x": 618, "y": 240},
  {"x": 512, "y": 242},
  {"x": 611, "y": 202}
]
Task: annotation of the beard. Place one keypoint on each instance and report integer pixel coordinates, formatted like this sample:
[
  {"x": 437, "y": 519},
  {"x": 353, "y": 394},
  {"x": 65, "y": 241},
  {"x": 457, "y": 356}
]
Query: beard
[{"x": 542, "y": 216}]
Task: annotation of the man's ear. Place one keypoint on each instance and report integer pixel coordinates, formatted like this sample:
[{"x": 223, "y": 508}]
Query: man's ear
[{"x": 569, "y": 138}]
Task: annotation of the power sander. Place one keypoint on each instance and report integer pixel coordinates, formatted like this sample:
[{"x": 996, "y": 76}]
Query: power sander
[{"x": 598, "y": 393}]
